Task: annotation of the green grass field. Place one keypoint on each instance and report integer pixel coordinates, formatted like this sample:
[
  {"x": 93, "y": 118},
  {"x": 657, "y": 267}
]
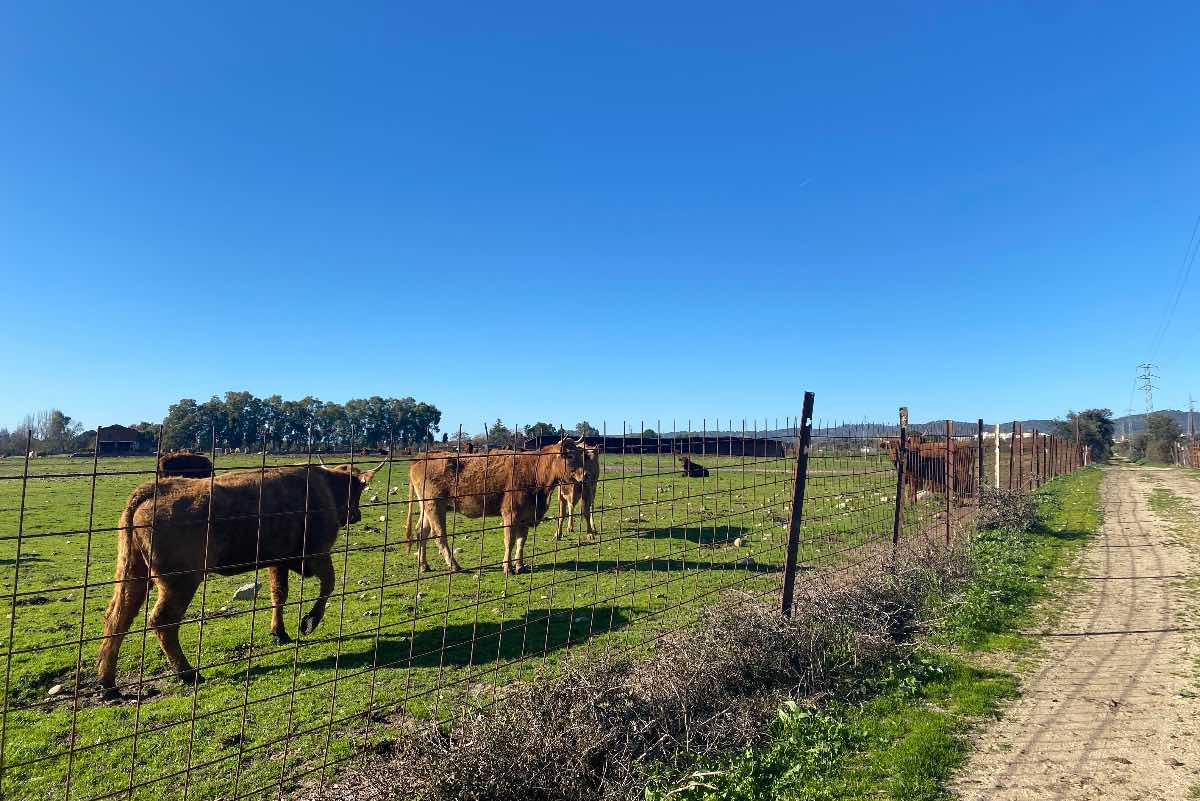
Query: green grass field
[{"x": 394, "y": 644}]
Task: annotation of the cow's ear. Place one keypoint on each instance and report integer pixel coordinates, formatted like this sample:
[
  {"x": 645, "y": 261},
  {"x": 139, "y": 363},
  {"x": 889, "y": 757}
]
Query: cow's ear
[{"x": 366, "y": 476}]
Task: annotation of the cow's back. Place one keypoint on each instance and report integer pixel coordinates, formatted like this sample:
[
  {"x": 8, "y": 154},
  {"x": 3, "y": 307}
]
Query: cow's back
[{"x": 243, "y": 530}]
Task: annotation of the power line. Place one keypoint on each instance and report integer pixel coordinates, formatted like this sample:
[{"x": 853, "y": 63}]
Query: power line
[{"x": 1185, "y": 271}]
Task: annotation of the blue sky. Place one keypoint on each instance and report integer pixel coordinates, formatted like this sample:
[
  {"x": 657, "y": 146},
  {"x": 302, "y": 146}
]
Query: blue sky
[{"x": 624, "y": 212}]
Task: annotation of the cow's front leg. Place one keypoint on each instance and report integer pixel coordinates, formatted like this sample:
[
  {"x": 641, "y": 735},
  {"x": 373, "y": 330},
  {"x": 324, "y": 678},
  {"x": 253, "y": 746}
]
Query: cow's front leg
[
  {"x": 321, "y": 567},
  {"x": 508, "y": 542},
  {"x": 562, "y": 512},
  {"x": 519, "y": 535},
  {"x": 279, "y": 594}
]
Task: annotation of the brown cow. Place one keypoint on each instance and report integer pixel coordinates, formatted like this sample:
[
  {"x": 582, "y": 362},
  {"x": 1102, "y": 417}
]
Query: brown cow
[
  {"x": 184, "y": 464},
  {"x": 691, "y": 469},
  {"x": 581, "y": 493},
  {"x": 168, "y": 534},
  {"x": 516, "y": 485},
  {"x": 925, "y": 465}
]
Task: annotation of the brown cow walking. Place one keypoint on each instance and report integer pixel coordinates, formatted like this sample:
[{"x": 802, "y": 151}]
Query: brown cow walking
[
  {"x": 516, "y": 485},
  {"x": 176, "y": 531}
]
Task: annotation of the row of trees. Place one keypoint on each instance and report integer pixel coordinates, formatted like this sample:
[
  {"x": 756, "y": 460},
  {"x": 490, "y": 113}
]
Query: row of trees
[
  {"x": 53, "y": 432},
  {"x": 239, "y": 420}
]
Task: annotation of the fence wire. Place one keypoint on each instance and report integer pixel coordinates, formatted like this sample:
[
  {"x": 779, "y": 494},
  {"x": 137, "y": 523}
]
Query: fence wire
[{"x": 238, "y": 625}]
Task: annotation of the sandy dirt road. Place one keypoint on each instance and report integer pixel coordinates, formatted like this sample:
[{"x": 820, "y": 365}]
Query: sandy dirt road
[{"x": 1112, "y": 709}]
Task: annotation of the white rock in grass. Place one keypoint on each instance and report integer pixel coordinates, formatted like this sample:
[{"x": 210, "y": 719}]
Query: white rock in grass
[
  {"x": 393, "y": 490},
  {"x": 373, "y": 499},
  {"x": 739, "y": 542},
  {"x": 55, "y": 690},
  {"x": 246, "y": 592},
  {"x": 383, "y": 518}
]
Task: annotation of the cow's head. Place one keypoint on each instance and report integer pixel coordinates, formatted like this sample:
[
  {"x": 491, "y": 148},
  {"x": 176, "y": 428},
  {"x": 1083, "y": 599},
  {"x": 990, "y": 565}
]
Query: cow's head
[
  {"x": 347, "y": 483},
  {"x": 572, "y": 460}
]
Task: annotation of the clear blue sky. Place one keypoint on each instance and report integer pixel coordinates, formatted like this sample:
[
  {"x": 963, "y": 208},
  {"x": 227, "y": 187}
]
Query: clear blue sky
[{"x": 624, "y": 212}]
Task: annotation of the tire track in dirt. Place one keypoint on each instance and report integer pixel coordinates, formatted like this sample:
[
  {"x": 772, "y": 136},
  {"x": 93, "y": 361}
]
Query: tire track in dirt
[{"x": 1110, "y": 712}]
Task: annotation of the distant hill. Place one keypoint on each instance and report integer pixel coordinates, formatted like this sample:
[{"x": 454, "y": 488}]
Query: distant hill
[{"x": 1135, "y": 423}]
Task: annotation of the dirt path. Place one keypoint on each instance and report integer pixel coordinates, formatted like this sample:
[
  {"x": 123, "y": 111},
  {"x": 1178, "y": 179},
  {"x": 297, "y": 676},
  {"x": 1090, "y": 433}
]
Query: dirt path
[{"x": 1113, "y": 709}]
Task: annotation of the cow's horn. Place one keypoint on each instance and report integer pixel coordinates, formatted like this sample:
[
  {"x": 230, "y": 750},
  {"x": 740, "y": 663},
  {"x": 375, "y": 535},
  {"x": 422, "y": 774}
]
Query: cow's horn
[{"x": 322, "y": 461}]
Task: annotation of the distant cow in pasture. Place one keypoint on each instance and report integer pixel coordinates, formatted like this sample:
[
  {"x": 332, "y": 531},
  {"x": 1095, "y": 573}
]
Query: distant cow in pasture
[
  {"x": 581, "y": 494},
  {"x": 175, "y": 531},
  {"x": 515, "y": 485},
  {"x": 184, "y": 464},
  {"x": 690, "y": 469}
]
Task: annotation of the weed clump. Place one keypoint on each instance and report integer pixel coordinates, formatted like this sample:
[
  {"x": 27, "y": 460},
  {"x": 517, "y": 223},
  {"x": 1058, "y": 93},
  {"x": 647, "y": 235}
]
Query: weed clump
[
  {"x": 600, "y": 726},
  {"x": 1015, "y": 510}
]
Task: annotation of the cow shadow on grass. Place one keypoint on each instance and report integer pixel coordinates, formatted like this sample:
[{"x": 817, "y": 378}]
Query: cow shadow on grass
[
  {"x": 699, "y": 534},
  {"x": 537, "y": 632}
]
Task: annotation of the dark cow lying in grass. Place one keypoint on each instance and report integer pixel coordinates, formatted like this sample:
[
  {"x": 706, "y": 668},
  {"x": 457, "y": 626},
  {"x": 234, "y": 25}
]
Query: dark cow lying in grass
[
  {"x": 184, "y": 464},
  {"x": 176, "y": 531},
  {"x": 691, "y": 469},
  {"x": 515, "y": 485}
]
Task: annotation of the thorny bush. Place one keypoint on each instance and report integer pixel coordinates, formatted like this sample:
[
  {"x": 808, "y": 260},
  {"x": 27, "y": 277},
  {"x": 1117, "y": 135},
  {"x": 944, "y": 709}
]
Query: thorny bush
[
  {"x": 999, "y": 508},
  {"x": 602, "y": 725}
]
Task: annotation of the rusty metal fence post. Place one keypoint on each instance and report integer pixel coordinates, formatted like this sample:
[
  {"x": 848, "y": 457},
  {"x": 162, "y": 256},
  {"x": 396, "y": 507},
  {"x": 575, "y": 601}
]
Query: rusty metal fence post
[
  {"x": 803, "y": 441},
  {"x": 979, "y": 469},
  {"x": 948, "y": 477},
  {"x": 901, "y": 463}
]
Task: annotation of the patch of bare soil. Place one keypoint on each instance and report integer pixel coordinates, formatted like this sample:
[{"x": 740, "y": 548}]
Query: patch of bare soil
[{"x": 1112, "y": 709}]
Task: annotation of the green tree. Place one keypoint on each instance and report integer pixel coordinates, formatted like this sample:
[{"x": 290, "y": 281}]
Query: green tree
[
  {"x": 1096, "y": 429},
  {"x": 498, "y": 435},
  {"x": 1162, "y": 432},
  {"x": 585, "y": 429},
  {"x": 649, "y": 433},
  {"x": 541, "y": 429}
]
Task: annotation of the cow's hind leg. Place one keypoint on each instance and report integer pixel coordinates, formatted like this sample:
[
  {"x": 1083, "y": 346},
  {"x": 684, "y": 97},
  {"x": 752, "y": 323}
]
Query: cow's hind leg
[
  {"x": 174, "y": 596},
  {"x": 320, "y": 566},
  {"x": 279, "y": 594},
  {"x": 129, "y": 593},
  {"x": 437, "y": 524}
]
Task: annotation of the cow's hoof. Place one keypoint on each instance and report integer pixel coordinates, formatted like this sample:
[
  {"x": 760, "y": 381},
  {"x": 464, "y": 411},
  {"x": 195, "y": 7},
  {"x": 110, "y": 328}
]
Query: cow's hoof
[
  {"x": 191, "y": 678},
  {"x": 308, "y": 624},
  {"x": 280, "y": 638}
]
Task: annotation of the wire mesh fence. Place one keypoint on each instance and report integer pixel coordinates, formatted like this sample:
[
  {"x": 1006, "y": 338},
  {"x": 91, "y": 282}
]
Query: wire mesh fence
[{"x": 238, "y": 625}]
